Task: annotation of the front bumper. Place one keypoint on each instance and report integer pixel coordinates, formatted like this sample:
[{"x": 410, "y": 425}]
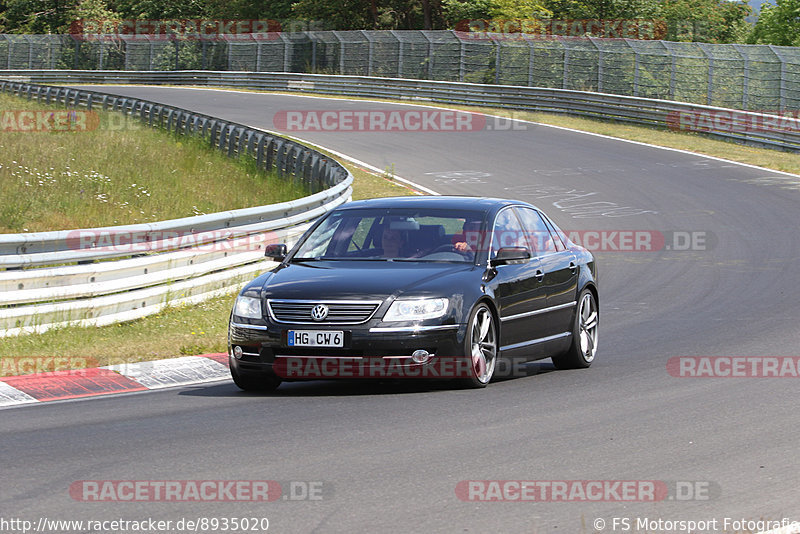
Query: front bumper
[{"x": 372, "y": 350}]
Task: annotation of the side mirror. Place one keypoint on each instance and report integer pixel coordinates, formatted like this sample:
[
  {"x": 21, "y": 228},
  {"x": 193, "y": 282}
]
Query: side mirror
[
  {"x": 509, "y": 254},
  {"x": 275, "y": 251}
]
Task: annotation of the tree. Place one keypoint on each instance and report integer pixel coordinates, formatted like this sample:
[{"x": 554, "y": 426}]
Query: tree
[
  {"x": 778, "y": 24},
  {"x": 709, "y": 21},
  {"x": 462, "y": 11},
  {"x": 36, "y": 16},
  {"x": 518, "y": 9}
]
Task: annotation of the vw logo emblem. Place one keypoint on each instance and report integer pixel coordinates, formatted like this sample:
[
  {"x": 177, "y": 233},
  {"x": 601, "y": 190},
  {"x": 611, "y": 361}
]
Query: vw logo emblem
[{"x": 319, "y": 312}]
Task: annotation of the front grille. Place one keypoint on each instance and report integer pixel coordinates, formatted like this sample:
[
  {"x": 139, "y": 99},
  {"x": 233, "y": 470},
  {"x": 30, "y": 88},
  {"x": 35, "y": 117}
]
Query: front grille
[{"x": 339, "y": 311}]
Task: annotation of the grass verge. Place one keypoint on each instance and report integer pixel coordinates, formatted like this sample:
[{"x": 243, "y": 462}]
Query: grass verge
[{"x": 116, "y": 171}]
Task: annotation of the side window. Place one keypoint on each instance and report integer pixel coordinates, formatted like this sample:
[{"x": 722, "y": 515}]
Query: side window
[
  {"x": 560, "y": 245},
  {"x": 537, "y": 231},
  {"x": 507, "y": 232},
  {"x": 360, "y": 233}
]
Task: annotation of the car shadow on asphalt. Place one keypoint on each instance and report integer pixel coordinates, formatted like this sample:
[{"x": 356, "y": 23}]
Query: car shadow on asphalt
[{"x": 361, "y": 387}]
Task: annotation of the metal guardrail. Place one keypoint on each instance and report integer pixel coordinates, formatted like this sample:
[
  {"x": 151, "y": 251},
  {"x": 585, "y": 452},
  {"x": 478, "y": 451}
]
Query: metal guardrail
[
  {"x": 757, "y": 129},
  {"x": 164, "y": 263}
]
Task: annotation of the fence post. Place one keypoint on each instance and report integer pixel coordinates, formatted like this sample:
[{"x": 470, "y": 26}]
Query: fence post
[
  {"x": 565, "y": 80},
  {"x": 635, "y": 72},
  {"x": 710, "y": 82},
  {"x": 76, "y": 56},
  {"x": 461, "y": 58},
  {"x": 783, "y": 78},
  {"x": 287, "y": 53},
  {"x": 341, "y": 51},
  {"x": 599, "y": 66},
  {"x": 497, "y": 60},
  {"x": 152, "y": 52},
  {"x": 313, "y": 40},
  {"x": 430, "y": 54},
  {"x": 30, "y": 52},
  {"x": 531, "y": 58},
  {"x": 745, "y": 75},
  {"x": 369, "y": 51},
  {"x": 399, "y": 54},
  {"x": 673, "y": 62}
]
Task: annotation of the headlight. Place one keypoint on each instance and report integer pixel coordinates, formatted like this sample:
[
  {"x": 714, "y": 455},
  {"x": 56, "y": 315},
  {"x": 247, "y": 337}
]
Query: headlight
[
  {"x": 415, "y": 310},
  {"x": 247, "y": 307}
]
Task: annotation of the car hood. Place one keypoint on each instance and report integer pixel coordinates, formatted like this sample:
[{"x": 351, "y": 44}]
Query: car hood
[{"x": 357, "y": 279}]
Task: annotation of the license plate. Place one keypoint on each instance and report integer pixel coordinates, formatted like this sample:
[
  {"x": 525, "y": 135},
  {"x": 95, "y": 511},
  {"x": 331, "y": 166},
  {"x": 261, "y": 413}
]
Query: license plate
[{"x": 315, "y": 338}]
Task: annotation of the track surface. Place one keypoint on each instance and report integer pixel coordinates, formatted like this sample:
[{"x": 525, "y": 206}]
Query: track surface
[{"x": 393, "y": 453}]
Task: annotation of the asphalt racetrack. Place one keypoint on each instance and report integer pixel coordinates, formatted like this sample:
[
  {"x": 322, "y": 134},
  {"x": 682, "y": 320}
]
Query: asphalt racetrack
[{"x": 389, "y": 457}]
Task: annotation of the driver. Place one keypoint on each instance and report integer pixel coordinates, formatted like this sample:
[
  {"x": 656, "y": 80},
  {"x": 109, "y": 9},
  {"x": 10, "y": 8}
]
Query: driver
[
  {"x": 469, "y": 234},
  {"x": 392, "y": 241}
]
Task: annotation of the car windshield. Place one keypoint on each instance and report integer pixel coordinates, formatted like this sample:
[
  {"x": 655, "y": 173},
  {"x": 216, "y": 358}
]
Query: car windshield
[{"x": 394, "y": 235}]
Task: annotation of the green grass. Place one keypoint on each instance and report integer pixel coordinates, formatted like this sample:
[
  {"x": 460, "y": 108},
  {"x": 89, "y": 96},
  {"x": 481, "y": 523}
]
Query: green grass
[{"x": 59, "y": 180}]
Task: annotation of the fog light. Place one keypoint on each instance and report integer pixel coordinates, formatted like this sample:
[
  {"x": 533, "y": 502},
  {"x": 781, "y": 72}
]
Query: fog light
[
  {"x": 237, "y": 352},
  {"x": 420, "y": 356}
]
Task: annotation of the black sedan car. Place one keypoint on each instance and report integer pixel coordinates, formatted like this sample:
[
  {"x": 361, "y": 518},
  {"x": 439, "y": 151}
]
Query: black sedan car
[{"x": 460, "y": 288}]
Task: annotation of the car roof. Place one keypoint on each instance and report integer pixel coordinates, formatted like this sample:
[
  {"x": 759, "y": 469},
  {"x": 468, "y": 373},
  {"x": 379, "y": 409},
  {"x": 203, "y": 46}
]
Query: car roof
[{"x": 433, "y": 202}]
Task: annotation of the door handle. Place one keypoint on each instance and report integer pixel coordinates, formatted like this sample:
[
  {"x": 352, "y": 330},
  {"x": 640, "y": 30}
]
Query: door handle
[
  {"x": 539, "y": 274},
  {"x": 573, "y": 267}
]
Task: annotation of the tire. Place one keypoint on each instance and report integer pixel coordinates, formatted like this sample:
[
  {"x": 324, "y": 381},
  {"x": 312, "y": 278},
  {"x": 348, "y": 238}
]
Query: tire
[
  {"x": 480, "y": 346},
  {"x": 255, "y": 381},
  {"x": 581, "y": 352}
]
